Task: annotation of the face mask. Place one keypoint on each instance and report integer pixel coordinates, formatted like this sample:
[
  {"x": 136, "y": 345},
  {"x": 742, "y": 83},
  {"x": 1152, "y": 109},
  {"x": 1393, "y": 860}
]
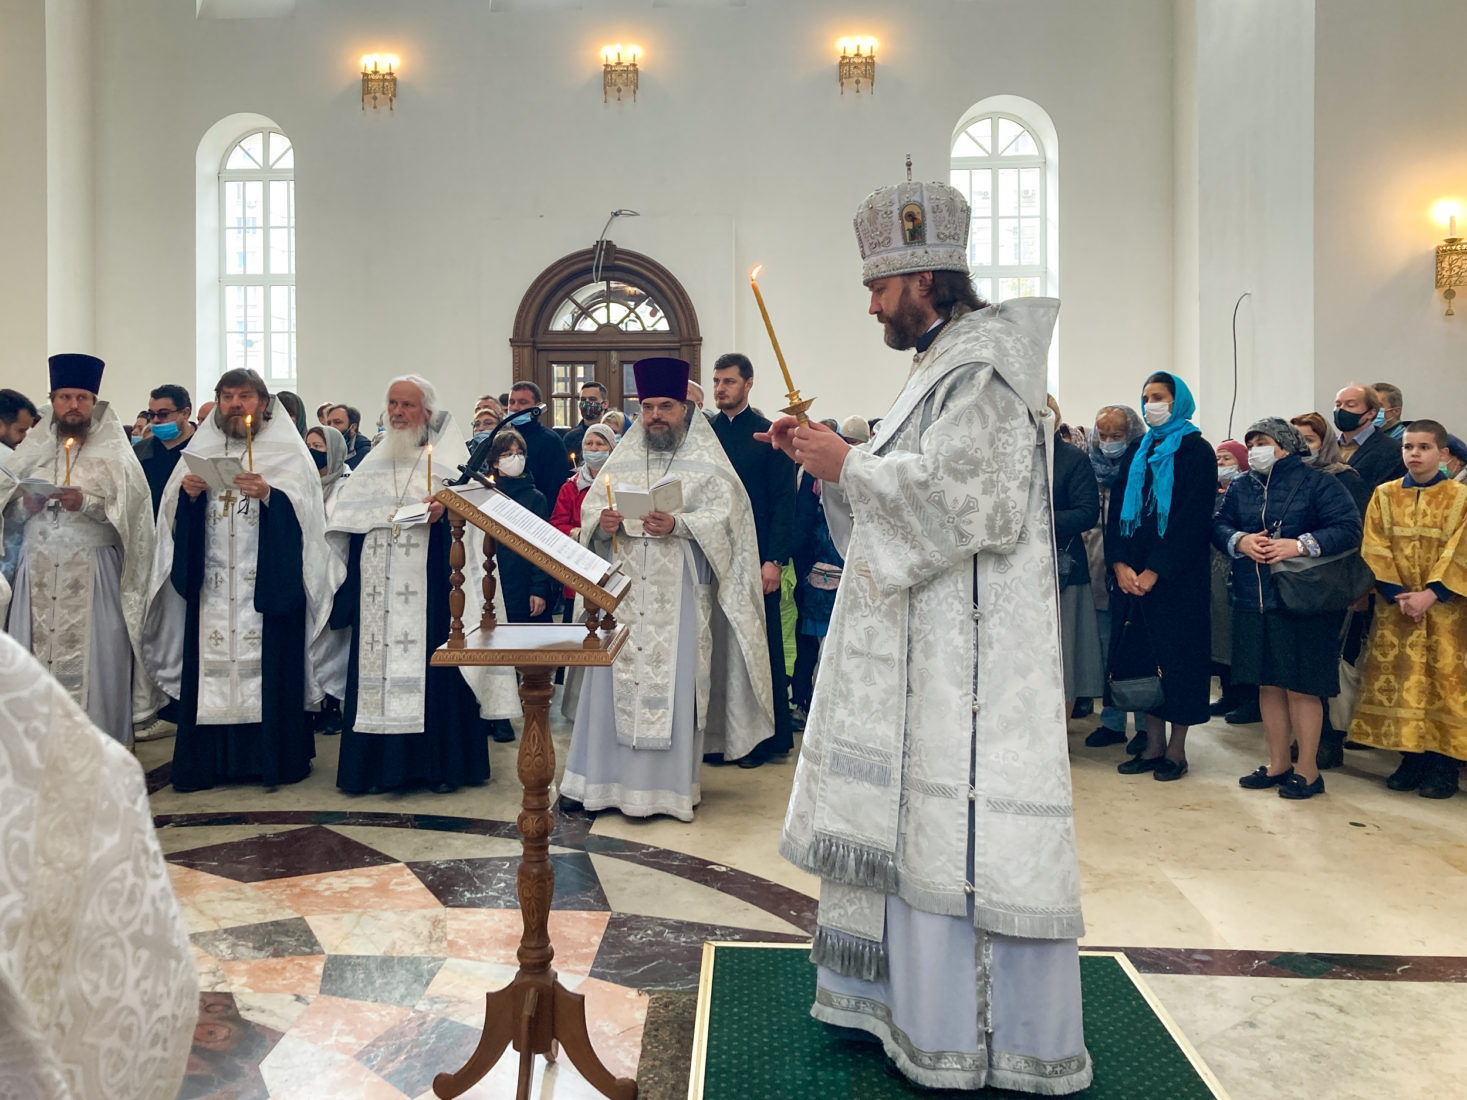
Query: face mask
[
  {"x": 521, "y": 418},
  {"x": 479, "y": 437},
  {"x": 1379, "y": 420},
  {"x": 1312, "y": 459},
  {"x": 595, "y": 459},
  {"x": 592, "y": 410},
  {"x": 1444, "y": 471},
  {"x": 166, "y": 430},
  {"x": 1112, "y": 448},
  {"x": 1261, "y": 459},
  {"x": 512, "y": 465},
  {"x": 1158, "y": 413},
  {"x": 319, "y": 457},
  {"x": 1347, "y": 421},
  {"x": 1226, "y": 474}
]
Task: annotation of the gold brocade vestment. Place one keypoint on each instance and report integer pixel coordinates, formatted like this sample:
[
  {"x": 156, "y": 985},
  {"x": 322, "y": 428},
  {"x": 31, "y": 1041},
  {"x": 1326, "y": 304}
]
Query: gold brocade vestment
[{"x": 1413, "y": 691}]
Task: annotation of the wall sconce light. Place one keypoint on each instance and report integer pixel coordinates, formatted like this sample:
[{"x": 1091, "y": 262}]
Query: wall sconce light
[
  {"x": 379, "y": 79},
  {"x": 1451, "y": 255},
  {"x": 619, "y": 70},
  {"x": 857, "y": 62}
]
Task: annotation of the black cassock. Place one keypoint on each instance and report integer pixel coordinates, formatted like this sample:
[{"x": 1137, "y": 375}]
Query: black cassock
[
  {"x": 278, "y": 749},
  {"x": 453, "y": 750}
]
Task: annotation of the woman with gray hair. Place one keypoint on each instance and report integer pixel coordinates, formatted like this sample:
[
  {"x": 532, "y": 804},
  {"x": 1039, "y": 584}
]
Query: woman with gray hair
[{"x": 1283, "y": 509}]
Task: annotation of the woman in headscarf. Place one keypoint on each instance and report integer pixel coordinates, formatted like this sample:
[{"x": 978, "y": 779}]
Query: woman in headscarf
[
  {"x": 295, "y": 407},
  {"x": 1283, "y": 509},
  {"x": 328, "y": 448},
  {"x": 1116, "y": 428},
  {"x": 1156, "y": 544},
  {"x": 332, "y": 649},
  {"x": 1238, "y": 702},
  {"x": 1076, "y": 500},
  {"x": 1325, "y": 456}
]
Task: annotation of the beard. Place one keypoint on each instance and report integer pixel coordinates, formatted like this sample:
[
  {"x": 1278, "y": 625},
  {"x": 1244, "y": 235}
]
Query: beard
[
  {"x": 73, "y": 425},
  {"x": 667, "y": 438},
  {"x": 905, "y": 324},
  {"x": 403, "y": 442},
  {"x": 235, "y": 427}
]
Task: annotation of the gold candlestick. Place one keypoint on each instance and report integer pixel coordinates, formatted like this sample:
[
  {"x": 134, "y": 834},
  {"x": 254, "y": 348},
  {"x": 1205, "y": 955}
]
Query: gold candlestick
[
  {"x": 250, "y": 441},
  {"x": 611, "y": 506},
  {"x": 798, "y": 406},
  {"x": 69, "y": 442}
]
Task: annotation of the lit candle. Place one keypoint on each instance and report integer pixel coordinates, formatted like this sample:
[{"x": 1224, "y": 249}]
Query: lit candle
[
  {"x": 250, "y": 441},
  {"x": 607, "y": 478},
  {"x": 430, "y": 469},
  {"x": 69, "y": 442},
  {"x": 753, "y": 282}
]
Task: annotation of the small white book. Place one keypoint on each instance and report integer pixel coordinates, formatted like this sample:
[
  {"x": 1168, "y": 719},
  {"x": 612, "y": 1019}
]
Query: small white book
[
  {"x": 410, "y": 514},
  {"x": 664, "y": 496},
  {"x": 218, "y": 472},
  {"x": 27, "y": 486}
]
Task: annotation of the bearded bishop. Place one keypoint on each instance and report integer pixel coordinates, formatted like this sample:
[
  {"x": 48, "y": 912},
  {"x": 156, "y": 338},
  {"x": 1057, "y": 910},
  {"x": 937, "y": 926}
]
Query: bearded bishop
[
  {"x": 406, "y": 724},
  {"x": 696, "y": 607},
  {"x": 87, "y": 549},
  {"x": 241, "y": 584},
  {"x": 932, "y": 794}
]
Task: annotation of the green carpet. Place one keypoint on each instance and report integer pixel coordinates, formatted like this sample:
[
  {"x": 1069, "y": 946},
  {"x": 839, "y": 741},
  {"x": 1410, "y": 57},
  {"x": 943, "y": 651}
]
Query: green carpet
[{"x": 760, "y": 1042}]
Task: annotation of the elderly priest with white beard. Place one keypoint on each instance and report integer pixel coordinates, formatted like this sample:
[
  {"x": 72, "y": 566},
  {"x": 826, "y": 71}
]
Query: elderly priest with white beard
[
  {"x": 406, "y": 724},
  {"x": 932, "y": 795},
  {"x": 641, "y": 725},
  {"x": 87, "y": 550},
  {"x": 242, "y": 582}
]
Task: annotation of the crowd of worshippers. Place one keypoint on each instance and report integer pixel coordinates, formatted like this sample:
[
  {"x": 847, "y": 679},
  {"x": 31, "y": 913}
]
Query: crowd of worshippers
[
  {"x": 1315, "y": 567},
  {"x": 239, "y": 578}
]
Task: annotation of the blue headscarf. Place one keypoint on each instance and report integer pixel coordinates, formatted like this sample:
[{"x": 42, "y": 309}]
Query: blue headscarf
[{"x": 1158, "y": 449}]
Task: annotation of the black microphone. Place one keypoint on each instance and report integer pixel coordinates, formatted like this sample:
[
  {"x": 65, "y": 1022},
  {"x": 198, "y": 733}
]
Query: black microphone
[{"x": 479, "y": 456}]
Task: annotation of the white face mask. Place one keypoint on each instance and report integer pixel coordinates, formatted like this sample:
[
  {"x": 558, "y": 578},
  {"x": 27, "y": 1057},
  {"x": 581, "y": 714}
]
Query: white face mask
[
  {"x": 1226, "y": 474},
  {"x": 594, "y": 460},
  {"x": 1261, "y": 459},
  {"x": 512, "y": 465},
  {"x": 1158, "y": 413},
  {"x": 1113, "y": 448}
]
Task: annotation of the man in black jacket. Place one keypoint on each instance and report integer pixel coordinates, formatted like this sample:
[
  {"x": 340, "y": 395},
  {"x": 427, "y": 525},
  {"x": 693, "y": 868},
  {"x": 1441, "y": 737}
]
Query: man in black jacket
[
  {"x": 1365, "y": 447},
  {"x": 769, "y": 479},
  {"x": 169, "y": 408},
  {"x": 593, "y": 405},
  {"x": 347, "y": 419},
  {"x": 548, "y": 463}
]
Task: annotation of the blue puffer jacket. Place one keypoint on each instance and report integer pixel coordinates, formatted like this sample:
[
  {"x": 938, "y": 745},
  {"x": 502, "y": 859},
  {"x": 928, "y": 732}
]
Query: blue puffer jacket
[{"x": 1293, "y": 501}]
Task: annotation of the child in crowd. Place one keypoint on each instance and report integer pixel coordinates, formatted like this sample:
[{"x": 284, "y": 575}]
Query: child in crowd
[{"x": 1413, "y": 691}]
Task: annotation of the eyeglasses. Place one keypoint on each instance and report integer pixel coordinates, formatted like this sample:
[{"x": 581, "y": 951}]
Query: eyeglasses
[{"x": 160, "y": 414}]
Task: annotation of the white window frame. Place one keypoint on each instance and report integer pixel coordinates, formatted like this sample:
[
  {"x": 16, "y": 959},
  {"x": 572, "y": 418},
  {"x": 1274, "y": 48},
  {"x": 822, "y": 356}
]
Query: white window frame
[
  {"x": 995, "y": 272},
  {"x": 264, "y": 279}
]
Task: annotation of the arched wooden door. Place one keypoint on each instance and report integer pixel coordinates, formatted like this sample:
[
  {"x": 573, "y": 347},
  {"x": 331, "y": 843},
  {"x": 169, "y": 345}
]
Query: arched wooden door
[{"x": 578, "y": 324}]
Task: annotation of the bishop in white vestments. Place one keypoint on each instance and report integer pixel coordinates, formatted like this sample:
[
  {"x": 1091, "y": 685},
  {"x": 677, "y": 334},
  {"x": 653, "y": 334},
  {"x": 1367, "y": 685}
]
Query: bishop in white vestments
[
  {"x": 98, "y": 988},
  {"x": 694, "y": 675},
  {"x": 405, "y": 723},
  {"x": 86, "y": 552},
  {"x": 242, "y": 583},
  {"x": 932, "y": 795}
]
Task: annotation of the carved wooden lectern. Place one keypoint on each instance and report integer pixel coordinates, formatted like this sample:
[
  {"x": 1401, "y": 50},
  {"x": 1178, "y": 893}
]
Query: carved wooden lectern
[{"x": 534, "y": 1012}]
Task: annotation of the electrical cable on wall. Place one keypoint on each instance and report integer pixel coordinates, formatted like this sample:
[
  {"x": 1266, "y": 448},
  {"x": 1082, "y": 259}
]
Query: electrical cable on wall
[
  {"x": 601, "y": 241},
  {"x": 1233, "y": 407}
]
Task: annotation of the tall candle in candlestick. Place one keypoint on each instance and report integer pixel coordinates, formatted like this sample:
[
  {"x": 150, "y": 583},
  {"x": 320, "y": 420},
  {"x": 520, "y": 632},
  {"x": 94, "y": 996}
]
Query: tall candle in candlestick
[
  {"x": 612, "y": 507},
  {"x": 250, "y": 442},
  {"x": 430, "y": 469},
  {"x": 69, "y": 442},
  {"x": 798, "y": 406}
]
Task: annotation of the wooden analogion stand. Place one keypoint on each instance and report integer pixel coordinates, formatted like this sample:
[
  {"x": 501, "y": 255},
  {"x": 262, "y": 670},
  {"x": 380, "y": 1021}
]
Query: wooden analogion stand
[{"x": 534, "y": 1012}]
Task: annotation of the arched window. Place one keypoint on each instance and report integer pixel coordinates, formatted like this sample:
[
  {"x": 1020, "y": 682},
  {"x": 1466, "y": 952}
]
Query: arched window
[
  {"x": 999, "y": 164},
  {"x": 257, "y": 257}
]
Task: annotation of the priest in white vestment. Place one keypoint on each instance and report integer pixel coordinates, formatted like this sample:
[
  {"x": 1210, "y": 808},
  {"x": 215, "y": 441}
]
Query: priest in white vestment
[
  {"x": 643, "y": 724},
  {"x": 406, "y": 724},
  {"x": 932, "y": 795},
  {"x": 86, "y": 550},
  {"x": 241, "y": 585},
  {"x": 98, "y": 988}
]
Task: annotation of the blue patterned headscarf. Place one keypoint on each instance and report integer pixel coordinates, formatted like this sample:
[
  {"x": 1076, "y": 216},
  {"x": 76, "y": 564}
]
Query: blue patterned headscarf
[{"x": 1158, "y": 450}]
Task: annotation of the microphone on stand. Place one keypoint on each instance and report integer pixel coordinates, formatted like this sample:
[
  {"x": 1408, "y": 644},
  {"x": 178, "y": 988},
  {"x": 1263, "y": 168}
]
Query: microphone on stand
[{"x": 473, "y": 469}]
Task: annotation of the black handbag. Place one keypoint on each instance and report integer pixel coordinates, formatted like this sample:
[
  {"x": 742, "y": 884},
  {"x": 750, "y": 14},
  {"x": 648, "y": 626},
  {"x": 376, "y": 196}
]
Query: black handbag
[
  {"x": 1312, "y": 586},
  {"x": 1145, "y": 694}
]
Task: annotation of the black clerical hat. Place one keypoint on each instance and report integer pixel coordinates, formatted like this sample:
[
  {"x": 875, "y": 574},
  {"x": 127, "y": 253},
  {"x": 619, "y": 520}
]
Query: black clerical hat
[
  {"x": 74, "y": 371},
  {"x": 661, "y": 377}
]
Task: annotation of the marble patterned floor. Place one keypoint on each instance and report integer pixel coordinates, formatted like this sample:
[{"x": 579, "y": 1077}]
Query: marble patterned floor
[{"x": 346, "y": 942}]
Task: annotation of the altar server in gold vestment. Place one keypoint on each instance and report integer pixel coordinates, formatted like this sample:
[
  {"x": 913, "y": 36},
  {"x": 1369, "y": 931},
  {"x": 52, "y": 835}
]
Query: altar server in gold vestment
[{"x": 1413, "y": 692}]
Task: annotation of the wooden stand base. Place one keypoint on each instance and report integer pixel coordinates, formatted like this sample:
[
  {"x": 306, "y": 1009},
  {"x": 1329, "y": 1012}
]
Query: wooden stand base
[{"x": 535, "y": 1012}]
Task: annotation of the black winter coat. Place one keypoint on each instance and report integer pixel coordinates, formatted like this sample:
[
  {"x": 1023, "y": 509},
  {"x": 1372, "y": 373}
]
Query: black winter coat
[
  {"x": 1294, "y": 500},
  {"x": 1076, "y": 509},
  {"x": 1379, "y": 459},
  {"x": 518, "y": 578}
]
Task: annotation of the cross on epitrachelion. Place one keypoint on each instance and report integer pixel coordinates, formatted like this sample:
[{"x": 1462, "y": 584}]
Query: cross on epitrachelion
[{"x": 870, "y": 654}]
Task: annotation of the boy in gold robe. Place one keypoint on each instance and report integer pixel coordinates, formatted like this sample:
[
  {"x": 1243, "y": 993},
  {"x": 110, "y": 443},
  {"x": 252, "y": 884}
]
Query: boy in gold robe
[{"x": 1413, "y": 693}]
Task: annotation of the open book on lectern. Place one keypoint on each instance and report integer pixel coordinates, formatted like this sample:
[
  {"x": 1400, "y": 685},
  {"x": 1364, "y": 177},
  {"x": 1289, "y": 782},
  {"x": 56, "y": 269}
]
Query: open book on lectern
[{"x": 515, "y": 527}]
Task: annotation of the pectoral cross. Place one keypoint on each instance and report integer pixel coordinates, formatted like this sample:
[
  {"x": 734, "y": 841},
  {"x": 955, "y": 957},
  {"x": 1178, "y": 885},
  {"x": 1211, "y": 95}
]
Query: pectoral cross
[{"x": 228, "y": 500}]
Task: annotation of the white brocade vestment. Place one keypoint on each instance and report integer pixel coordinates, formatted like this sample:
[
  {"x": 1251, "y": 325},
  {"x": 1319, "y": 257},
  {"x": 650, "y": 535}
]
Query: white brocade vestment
[{"x": 98, "y": 987}]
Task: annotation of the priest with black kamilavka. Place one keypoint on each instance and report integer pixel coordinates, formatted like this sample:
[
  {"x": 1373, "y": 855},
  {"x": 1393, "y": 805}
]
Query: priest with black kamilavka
[
  {"x": 407, "y": 724},
  {"x": 242, "y": 583},
  {"x": 86, "y": 550},
  {"x": 932, "y": 795}
]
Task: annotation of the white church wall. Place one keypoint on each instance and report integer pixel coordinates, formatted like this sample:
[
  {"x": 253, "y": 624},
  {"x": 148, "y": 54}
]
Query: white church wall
[
  {"x": 70, "y": 212},
  {"x": 1255, "y": 102},
  {"x": 1390, "y": 142},
  {"x": 421, "y": 228},
  {"x": 23, "y": 190}
]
